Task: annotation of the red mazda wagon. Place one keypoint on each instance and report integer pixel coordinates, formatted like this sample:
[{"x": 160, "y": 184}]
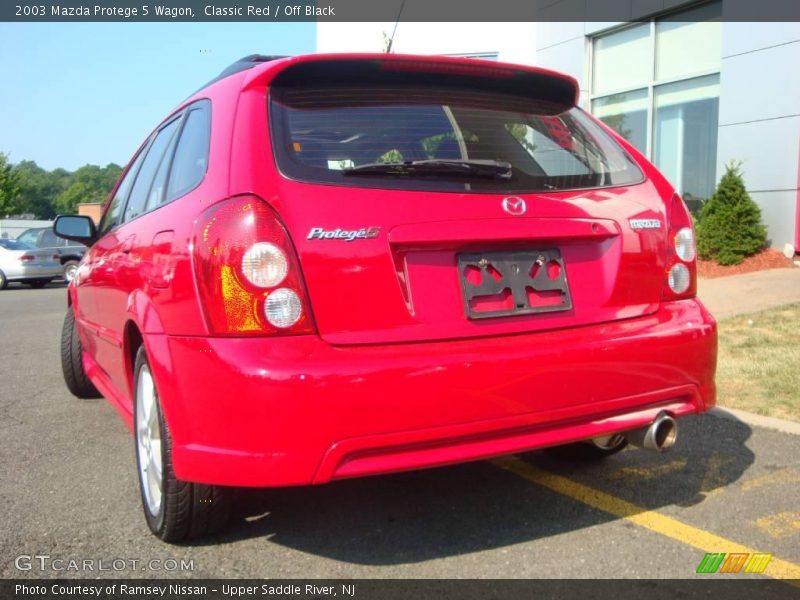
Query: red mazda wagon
[{"x": 331, "y": 266}]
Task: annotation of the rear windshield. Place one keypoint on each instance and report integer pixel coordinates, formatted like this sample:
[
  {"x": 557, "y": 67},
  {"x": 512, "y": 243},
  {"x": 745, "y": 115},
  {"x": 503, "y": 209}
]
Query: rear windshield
[
  {"x": 14, "y": 245},
  {"x": 323, "y": 134}
]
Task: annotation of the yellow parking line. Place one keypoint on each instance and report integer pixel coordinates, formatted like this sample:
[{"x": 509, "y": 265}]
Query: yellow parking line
[
  {"x": 780, "y": 525},
  {"x": 787, "y": 476},
  {"x": 666, "y": 526}
]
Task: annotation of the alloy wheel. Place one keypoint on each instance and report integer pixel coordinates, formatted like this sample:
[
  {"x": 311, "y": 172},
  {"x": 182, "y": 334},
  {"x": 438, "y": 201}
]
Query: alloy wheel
[{"x": 148, "y": 441}]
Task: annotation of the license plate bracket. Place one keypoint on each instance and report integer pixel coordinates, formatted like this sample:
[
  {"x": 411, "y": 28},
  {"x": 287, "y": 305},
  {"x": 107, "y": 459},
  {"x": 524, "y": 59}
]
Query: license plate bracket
[{"x": 516, "y": 282}]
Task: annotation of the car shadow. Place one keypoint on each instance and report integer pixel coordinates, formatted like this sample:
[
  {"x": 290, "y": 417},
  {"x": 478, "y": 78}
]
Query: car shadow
[{"x": 423, "y": 515}]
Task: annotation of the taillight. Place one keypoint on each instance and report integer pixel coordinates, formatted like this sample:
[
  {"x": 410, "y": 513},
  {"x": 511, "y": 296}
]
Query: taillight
[
  {"x": 247, "y": 271},
  {"x": 681, "y": 275},
  {"x": 26, "y": 257},
  {"x": 56, "y": 257}
]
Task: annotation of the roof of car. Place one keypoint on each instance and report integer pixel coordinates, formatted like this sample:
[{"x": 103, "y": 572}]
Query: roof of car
[{"x": 244, "y": 63}]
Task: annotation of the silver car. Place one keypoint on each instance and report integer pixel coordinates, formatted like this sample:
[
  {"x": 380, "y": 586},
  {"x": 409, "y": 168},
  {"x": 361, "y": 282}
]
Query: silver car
[{"x": 21, "y": 262}]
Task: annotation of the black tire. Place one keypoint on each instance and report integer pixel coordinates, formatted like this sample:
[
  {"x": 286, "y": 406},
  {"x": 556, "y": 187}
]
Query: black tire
[
  {"x": 3, "y": 281},
  {"x": 69, "y": 267},
  {"x": 587, "y": 451},
  {"x": 187, "y": 510},
  {"x": 38, "y": 283},
  {"x": 72, "y": 360}
]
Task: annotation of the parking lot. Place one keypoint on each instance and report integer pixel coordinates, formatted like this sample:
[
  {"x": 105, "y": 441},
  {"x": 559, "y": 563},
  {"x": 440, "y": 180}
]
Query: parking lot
[{"x": 69, "y": 491}]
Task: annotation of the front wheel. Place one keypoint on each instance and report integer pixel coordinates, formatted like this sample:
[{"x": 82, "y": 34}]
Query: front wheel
[{"x": 175, "y": 510}]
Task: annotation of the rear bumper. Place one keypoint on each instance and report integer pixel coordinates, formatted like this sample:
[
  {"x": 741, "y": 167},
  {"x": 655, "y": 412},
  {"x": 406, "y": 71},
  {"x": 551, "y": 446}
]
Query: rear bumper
[{"x": 296, "y": 410}]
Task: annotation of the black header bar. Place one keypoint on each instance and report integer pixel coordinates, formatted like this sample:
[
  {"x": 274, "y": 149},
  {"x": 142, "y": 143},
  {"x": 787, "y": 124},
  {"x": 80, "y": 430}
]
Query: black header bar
[{"x": 378, "y": 10}]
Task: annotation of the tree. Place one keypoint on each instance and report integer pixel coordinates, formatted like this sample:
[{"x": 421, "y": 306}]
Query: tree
[
  {"x": 730, "y": 227},
  {"x": 9, "y": 188},
  {"x": 38, "y": 188},
  {"x": 28, "y": 188},
  {"x": 90, "y": 183}
]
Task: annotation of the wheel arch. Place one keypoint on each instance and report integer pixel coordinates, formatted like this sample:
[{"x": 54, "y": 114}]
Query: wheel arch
[
  {"x": 143, "y": 328},
  {"x": 65, "y": 258}
]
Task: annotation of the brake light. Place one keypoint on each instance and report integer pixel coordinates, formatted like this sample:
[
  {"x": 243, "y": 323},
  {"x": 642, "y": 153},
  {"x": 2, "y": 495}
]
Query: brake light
[
  {"x": 26, "y": 257},
  {"x": 681, "y": 273},
  {"x": 56, "y": 257},
  {"x": 247, "y": 271}
]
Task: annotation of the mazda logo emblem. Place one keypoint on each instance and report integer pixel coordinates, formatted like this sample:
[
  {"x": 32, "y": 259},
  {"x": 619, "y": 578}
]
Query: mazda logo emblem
[{"x": 514, "y": 206}]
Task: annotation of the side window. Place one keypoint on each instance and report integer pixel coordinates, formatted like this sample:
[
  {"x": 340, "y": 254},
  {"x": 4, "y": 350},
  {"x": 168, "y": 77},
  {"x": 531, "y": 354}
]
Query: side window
[
  {"x": 156, "y": 195},
  {"x": 49, "y": 239},
  {"x": 111, "y": 215},
  {"x": 191, "y": 156},
  {"x": 144, "y": 179}
]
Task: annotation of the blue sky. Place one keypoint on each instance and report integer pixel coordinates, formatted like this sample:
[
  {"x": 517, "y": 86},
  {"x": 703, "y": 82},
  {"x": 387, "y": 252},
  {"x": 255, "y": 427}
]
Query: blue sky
[{"x": 80, "y": 93}]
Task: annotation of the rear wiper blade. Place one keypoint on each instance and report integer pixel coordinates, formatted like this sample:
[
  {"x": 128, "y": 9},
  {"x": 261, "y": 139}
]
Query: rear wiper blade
[{"x": 470, "y": 168}]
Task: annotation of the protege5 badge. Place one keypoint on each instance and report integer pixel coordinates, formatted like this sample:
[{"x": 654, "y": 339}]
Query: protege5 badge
[
  {"x": 365, "y": 233},
  {"x": 645, "y": 223}
]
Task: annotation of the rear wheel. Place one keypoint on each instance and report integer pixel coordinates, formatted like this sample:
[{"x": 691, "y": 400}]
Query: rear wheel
[
  {"x": 72, "y": 360},
  {"x": 3, "y": 281},
  {"x": 70, "y": 268},
  {"x": 175, "y": 510}
]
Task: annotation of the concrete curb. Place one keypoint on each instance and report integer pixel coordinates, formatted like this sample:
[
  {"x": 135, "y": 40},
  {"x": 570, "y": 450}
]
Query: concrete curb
[{"x": 749, "y": 418}]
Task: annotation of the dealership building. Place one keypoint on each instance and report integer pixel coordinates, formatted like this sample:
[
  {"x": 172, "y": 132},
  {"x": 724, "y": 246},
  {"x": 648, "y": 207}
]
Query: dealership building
[{"x": 691, "y": 90}]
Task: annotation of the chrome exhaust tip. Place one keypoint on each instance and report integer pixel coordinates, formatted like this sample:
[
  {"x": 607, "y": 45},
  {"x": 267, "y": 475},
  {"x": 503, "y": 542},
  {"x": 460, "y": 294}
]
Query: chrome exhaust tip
[{"x": 659, "y": 436}]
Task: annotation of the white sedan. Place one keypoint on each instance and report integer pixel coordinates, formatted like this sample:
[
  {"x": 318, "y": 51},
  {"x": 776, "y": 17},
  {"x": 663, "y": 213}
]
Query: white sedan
[{"x": 21, "y": 262}]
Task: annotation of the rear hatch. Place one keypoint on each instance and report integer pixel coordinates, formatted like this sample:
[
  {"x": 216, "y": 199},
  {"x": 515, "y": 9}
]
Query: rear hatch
[{"x": 432, "y": 206}]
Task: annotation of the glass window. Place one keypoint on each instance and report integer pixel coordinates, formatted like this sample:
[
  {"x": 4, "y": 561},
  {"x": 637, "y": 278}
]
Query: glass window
[
  {"x": 320, "y": 130},
  {"x": 156, "y": 195},
  {"x": 111, "y": 216},
  {"x": 689, "y": 42},
  {"x": 657, "y": 84},
  {"x": 685, "y": 135},
  {"x": 191, "y": 157},
  {"x": 140, "y": 193},
  {"x": 622, "y": 60},
  {"x": 49, "y": 239},
  {"x": 625, "y": 113},
  {"x": 29, "y": 237},
  {"x": 14, "y": 245}
]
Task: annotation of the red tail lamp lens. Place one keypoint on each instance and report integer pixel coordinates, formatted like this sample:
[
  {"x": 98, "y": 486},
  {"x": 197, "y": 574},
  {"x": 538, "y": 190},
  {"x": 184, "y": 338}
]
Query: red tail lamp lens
[
  {"x": 681, "y": 275},
  {"x": 242, "y": 257}
]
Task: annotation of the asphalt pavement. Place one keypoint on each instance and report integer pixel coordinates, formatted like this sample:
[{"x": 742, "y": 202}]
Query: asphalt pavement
[{"x": 69, "y": 493}]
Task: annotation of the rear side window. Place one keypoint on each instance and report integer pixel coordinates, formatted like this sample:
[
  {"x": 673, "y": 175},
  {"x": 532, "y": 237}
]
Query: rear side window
[
  {"x": 111, "y": 216},
  {"x": 49, "y": 239},
  {"x": 191, "y": 155},
  {"x": 146, "y": 177},
  {"x": 323, "y": 134}
]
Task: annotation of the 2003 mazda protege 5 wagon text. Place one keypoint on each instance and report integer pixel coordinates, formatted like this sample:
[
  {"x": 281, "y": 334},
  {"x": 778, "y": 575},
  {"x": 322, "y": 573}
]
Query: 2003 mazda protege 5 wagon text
[{"x": 332, "y": 266}]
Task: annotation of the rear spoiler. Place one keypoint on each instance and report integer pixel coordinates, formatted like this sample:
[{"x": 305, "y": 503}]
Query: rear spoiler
[{"x": 332, "y": 69}]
